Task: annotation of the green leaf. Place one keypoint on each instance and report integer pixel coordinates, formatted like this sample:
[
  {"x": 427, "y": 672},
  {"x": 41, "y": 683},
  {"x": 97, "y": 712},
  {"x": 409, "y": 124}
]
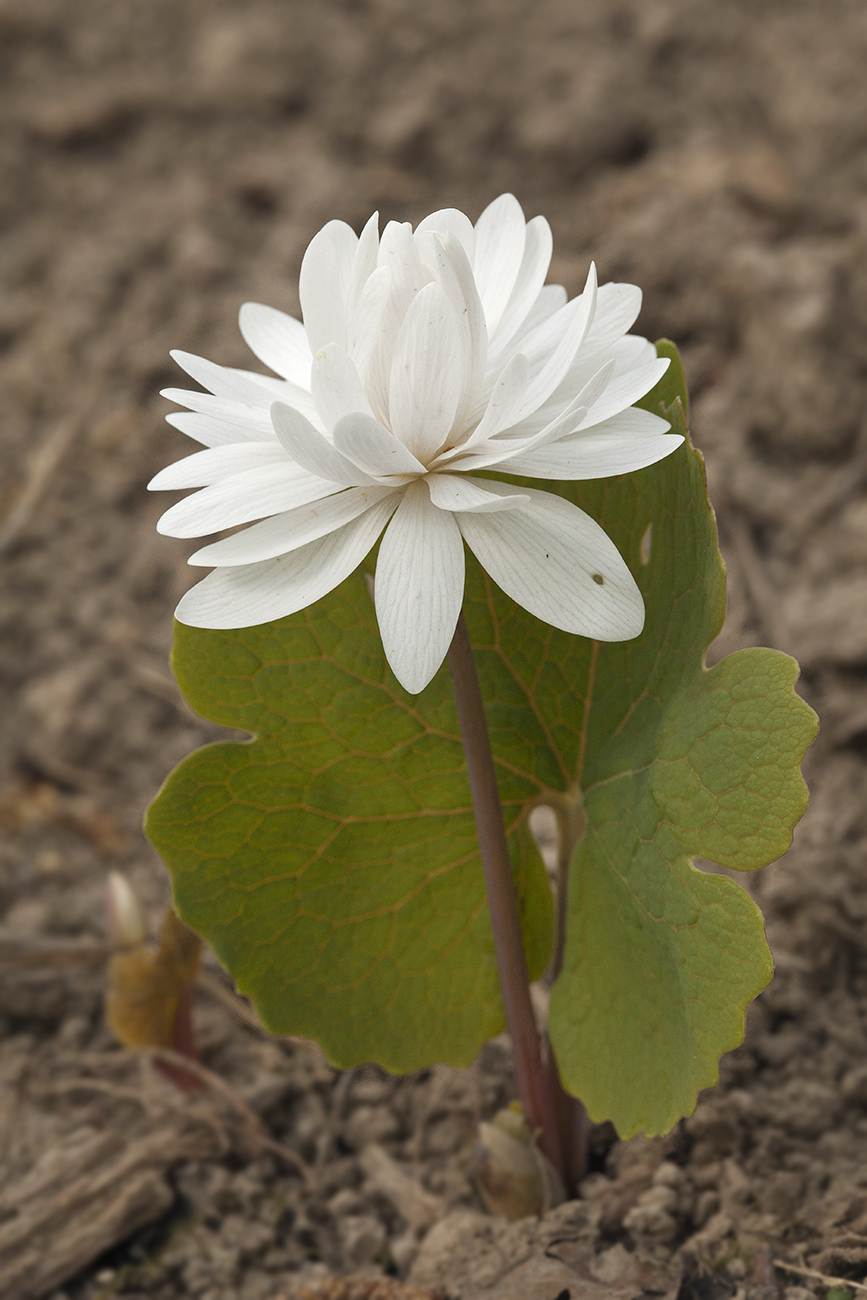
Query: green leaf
[
  {"x": 332, "y": 863},
  {"x": 676, "y": 761}
]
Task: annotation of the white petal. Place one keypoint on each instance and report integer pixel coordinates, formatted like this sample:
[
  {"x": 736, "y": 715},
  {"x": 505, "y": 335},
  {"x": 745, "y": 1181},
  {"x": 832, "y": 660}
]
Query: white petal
[
  {"x": 399, "y": 252},
  {"x": 336, "y": 385},
  {"x": 505, "y": 405},
  {"x": 223, "y": 381},
  {"x": 448, "y": 221},
  {"x": 243, "y": 386},
  {"x": 389, "y": 301},
  {"x": 626, "y": 389},
  {"x": 253, "y": 494},
  {"x": 549, "y": 556},
  {"x": 419, "y": 588},
  {"x": 286, "y": 532},
  {"x": 501, "y": 234},
  {"x": 363, "y": 266},
  {"x": 324, "y": 284},
  {"x": 278, "y": 340},
  {"x": 543, "y": 384},
  {"x": 617, "y": 307},
  {"x": 372, "y": 448},
  {"x": 541, "y": 343},
  {"x": 552, "y": 298},
  {"x": 629, "y": 355},
  {"x": 456, "y": 278},
  {"x": 566, "y": 420},
  {"x": 259, "y": 593},
  {"x": 531, "y": 278},
  {"x": 633, "y": 420},
  {"x": 632, "y": 351},
  {"x": 373, "y": 328},
  {"x": 459, "y": 492},
  {"x": 310, "y": 449},
  {"x": 215, "y": 433},
  {"x": 256, "y": 420},
  {"x": 599, "y": 456},
  {"x": 499, "y": 451},
  {"x": 206, "y": 467},
  {"x": 426, "y": 373}
]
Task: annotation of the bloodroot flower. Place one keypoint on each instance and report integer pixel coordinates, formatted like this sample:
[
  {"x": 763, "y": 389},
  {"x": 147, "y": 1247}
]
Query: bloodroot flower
[{"x": 426, "y": 357}]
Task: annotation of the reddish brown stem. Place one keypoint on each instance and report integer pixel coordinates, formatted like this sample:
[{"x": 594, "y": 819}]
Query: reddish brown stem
[
  {"x": 534, "y": 1083},
  {"x": 184, "y": 1043}
]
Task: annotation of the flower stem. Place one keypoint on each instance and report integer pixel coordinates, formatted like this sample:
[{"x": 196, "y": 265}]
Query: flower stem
[{"x": 534, "y": 1082}]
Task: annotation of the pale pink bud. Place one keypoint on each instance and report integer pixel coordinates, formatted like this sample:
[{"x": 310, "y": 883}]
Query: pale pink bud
[{"x": 126, "y": 920}]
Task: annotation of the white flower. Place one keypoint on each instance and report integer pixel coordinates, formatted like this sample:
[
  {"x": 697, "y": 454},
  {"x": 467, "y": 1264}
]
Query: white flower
[{"x": 425, "y": 357}]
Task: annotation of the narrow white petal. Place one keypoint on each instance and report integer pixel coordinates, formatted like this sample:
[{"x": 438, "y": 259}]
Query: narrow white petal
[
  {"x": 206, "y": 467},
  {"x": 363, "y": 266},
  {"x": 336, "y": 386},
  {"x": 372, "y": 448},
  {"x": 426, "y": 375},
  {"x": 216, "y": 433},
  {"x": 399, "y": 252},
  {"x": 310, "y": 449},
  {"x": 286, "y": 532},
  {"x": 234, "y": 381},
  {"x": 373, "y": 329},
  {"x": 243, "y": 387},
  {"x": 390, "y": 300},
  {"x": 502, "y": 453},
  {"x": 549, "y": 556},
  {"x": 498, "y": 451},
  {"x": 501, "y": 234},
  {"x": 324, "y": 284},
  {"x": 259, "y": 593},
  {"x": 628, "y": 355},
  {"x": 617, "y": 307},
  {"x": 552, "y": 298},
  {"x": 632, "y": 351},
  {"x": 419, "y": 588},
  {"x": 253, "y": 494},
  {"x": 624, "y": 390},
  {"x": 459, "y": 492},
  {"x": 448, "y": 221},
  {"x": 505, "y": 403},
  {"x": 256, "y": 420},
  {"x": 566, "y": 420},
  {"x": 222, "y": 381},
  {"x": 634, "y": 420},
  {"x": 278, "y": 340},
  {"x": 541, "y": 343},
  {"x": 599, "y": 456},
  {"x": 543, "y": 384},
  {"x": 456, "y": 278},
  {"x": 530, "y": 279}
]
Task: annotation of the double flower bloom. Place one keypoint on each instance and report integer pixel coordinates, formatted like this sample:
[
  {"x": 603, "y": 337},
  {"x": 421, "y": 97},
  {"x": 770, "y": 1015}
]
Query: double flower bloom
[{"x": 425, "y": 357}]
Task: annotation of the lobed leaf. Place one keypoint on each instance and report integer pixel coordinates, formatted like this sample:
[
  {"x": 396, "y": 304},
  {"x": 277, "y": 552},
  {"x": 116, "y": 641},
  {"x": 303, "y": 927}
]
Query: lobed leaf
[{"x": 332, "y": 862}]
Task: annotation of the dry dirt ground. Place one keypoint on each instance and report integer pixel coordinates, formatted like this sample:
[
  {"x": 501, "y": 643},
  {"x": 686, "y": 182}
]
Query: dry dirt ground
[{"x": 165, "y": 160}]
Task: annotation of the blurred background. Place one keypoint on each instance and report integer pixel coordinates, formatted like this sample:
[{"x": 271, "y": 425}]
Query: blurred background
[{"x": 164, "y": 161}]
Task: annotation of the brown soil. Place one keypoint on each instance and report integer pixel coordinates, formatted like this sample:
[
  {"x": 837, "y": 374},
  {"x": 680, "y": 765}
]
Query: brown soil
[{"x": 165, "y": 160}]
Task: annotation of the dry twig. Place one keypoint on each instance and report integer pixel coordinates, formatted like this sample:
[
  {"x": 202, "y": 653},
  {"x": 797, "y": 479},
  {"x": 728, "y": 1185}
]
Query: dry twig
[
  {"x": 802, "y": 1271},
  {"x": 254, "y": 1127}
]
